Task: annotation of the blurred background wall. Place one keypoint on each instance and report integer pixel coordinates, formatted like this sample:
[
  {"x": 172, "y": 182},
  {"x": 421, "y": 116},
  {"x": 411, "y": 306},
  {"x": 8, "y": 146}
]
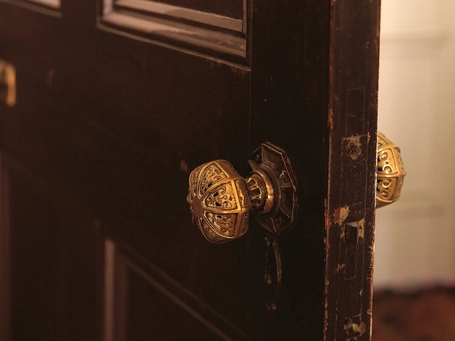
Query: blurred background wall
[{"x": 415, "y": 238}]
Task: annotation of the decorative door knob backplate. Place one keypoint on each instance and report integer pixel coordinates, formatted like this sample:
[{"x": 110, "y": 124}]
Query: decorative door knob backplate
[{"x": 221, "y": 201}]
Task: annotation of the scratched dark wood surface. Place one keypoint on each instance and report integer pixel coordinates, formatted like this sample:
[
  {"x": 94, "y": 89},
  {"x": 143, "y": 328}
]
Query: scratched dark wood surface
[
  {"x": 99, "y": 147},
  {"x": 350, "y": 213}
]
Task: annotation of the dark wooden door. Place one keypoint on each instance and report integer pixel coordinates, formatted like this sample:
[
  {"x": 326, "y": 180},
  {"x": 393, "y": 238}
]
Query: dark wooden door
[{"x": 117, "y": 101}]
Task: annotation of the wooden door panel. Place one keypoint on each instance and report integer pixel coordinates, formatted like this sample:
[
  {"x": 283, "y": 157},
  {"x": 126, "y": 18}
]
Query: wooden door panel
[
  {"x": 232, "y": 9},
  {"x": 38, "y": 266},
  {"x": 46, "y": 3},
  {"x": 151, "y": 135},
  {"x": 129, "y": 143},
  {"x": 149, "y": 302},
  {"x": 152, "y": 195},
  {"x": 192, "y": 27},
  {"x": 53, "y": 278},
  {"x": 114, "y": 112},
  {"x": 162, "y": 310}
]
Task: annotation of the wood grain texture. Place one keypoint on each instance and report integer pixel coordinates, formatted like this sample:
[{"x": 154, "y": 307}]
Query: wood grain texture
[
  {"x": 352, "y": 165},
  {"x": 114, "y": 124}
]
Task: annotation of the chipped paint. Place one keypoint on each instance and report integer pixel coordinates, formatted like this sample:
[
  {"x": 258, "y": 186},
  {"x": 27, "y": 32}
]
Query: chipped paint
[
  {"x": 326, "y": 243},
  {"x": 330, "y": 119},
  {"x": 344, "y": 212},
  {"x": 341, "y": 214},
  {"x": 361, "y": 229},
  {"x": 370, "y": 288},
  {"x": 327, "y": 225},
  {"x": 356, "y": 328},
  {"x": 326, "y": 282},
  {"x": 326, "y": 213},
  {"x": 339, "y": 267},
  {"x": 344, "y": 299},
  {"x": 359, "y": 225},
  {"x": 353, "y": 146},
  {"x": 354, "y": 140},
  {"x": 359, "y": 328}
]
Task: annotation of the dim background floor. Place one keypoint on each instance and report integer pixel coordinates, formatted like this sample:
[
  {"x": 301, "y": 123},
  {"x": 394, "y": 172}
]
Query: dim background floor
[{"x": 425, "y": 315}]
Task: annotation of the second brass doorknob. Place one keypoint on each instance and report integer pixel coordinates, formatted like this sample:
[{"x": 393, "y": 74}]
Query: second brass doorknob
[{"x": 390, "y": 173}]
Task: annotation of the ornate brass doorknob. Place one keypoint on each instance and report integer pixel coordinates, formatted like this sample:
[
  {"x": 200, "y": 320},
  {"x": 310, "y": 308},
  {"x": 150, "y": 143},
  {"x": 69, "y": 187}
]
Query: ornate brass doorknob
[
  {"x": 221, "y": 200},
  {"x": 390, "y": 174}
]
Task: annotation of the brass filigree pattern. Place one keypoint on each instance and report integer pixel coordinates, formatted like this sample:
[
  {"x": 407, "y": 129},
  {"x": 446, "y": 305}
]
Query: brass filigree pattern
[
  {"x": 220, "y": 199},
  {"x": 211, "y": 175},
  {"x": 391, "y": 172},
  {"x": 219, "y": 202}
]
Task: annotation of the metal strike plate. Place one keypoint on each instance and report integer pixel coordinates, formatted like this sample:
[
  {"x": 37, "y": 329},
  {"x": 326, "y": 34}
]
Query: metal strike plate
[{"x": 7, "y": 83}]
